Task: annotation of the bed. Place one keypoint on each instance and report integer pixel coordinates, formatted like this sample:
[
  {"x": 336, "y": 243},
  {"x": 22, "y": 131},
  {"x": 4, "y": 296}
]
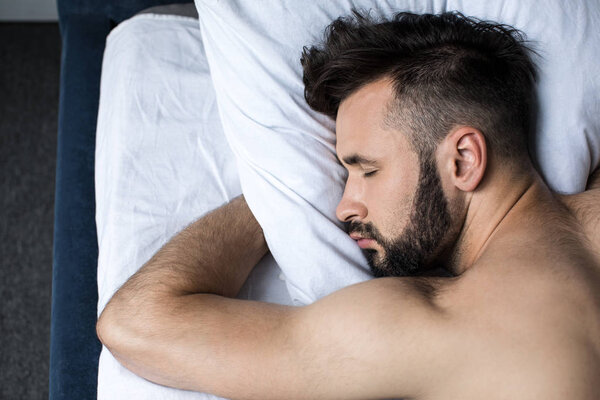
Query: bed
[{"x": 125, "y": 185}]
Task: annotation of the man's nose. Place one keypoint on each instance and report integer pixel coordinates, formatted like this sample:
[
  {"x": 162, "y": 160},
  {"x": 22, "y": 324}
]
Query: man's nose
[{"x": 350, "y": 207}]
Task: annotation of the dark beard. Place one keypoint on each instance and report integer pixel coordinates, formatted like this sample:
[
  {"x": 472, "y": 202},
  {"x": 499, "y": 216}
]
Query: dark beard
[{"x": 414, "y": 252}]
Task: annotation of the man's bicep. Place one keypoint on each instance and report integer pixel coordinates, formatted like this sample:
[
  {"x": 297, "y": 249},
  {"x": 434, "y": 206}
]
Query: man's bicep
[
  {"x": 365, "y": 341},
  {"x": 370, "y": 340}
]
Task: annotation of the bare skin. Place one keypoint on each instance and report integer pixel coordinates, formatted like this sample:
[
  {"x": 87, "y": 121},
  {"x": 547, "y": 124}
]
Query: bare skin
[
  {"x": 521, "y": 319},
  {"x": 531, "y": 302}
]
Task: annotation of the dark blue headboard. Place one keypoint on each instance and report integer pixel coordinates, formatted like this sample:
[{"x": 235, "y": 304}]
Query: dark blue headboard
[{"x": 74, "y": 347}]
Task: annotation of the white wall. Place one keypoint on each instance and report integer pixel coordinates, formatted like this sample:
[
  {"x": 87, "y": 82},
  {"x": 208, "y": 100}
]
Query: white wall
[{"x": 28, "y": 10}]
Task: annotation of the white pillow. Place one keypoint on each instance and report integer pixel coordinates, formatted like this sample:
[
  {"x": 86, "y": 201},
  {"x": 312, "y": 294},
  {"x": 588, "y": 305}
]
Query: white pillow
[{"x": 285, "y": 151}]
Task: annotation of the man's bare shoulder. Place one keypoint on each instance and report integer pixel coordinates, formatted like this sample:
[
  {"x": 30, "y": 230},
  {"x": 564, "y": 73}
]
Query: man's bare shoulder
[
  {"x": 531, "y": 331},
  {"x": 465, "y": 333}
]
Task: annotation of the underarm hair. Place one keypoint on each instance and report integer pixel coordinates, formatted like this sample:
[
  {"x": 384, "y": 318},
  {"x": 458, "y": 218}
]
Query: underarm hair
[
  {"x": 594, "y": 180},
  {"x": 430, "y": 288}
]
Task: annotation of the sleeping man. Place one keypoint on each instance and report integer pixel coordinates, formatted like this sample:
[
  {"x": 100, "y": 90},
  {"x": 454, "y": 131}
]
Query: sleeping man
[{"x": 432, "y": 115}]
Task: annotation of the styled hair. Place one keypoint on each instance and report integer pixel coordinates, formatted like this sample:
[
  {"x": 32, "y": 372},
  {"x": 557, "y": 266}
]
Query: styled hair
[{"x": 446, "y": 69}]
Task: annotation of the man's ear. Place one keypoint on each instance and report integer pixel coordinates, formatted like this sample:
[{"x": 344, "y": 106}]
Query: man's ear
[{"x": 465, "y": 154}]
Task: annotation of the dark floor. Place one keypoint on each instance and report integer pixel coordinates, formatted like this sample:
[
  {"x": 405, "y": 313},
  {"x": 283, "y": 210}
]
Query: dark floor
[{"x": 29, "y": 77}]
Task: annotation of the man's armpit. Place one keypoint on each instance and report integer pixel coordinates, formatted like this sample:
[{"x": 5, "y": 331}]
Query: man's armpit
[{"x": 594, "y": 180}]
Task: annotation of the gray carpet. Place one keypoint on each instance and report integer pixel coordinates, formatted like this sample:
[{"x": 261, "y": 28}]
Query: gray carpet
[{"x": 29, "y": 77}]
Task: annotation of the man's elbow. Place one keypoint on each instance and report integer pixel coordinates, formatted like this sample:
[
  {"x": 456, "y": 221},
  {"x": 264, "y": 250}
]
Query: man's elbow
[
  {"x": 119, "y": 338},
  {"x": 106, "y": 329},
  {"x": 136, "y": 339},
  {"x": 116, "y": 329},
  {"x": 127, "y": 328}
]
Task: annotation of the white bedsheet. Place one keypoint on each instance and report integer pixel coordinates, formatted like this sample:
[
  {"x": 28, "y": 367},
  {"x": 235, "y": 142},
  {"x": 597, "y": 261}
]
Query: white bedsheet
[{"x": 161, "y": 162}]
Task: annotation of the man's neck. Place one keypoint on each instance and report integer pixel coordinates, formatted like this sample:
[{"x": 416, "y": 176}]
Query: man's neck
[{"x": 488, "y": 209}]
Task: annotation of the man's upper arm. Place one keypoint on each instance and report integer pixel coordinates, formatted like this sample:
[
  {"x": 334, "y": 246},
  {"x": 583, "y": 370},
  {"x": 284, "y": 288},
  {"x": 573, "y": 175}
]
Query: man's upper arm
[
  {"x": 377, "y": 339},
  {"x": 370, "y": 340}
]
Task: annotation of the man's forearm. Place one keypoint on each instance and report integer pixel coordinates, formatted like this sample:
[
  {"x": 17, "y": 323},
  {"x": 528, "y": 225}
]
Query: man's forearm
[{"x": 215, "y": 254}]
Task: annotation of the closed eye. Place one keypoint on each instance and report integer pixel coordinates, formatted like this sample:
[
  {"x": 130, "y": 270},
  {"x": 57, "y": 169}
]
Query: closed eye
[{"x": 370, "y": 173}]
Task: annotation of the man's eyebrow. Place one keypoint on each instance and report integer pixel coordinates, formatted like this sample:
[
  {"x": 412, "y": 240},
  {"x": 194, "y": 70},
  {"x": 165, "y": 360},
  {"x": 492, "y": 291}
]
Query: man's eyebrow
[{"x": 355, "y": 158}]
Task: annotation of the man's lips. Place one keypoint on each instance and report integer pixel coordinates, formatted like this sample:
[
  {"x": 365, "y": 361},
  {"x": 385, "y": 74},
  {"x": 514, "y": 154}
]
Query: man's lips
[{"x": 363, "y": 243}]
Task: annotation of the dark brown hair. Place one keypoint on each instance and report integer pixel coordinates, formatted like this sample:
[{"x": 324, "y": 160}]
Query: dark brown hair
[{"x": 446, "y": 69}]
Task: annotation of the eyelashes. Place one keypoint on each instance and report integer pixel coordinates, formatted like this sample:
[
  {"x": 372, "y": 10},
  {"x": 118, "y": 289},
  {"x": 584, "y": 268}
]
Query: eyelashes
[{"x": 370, "y": 173}]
